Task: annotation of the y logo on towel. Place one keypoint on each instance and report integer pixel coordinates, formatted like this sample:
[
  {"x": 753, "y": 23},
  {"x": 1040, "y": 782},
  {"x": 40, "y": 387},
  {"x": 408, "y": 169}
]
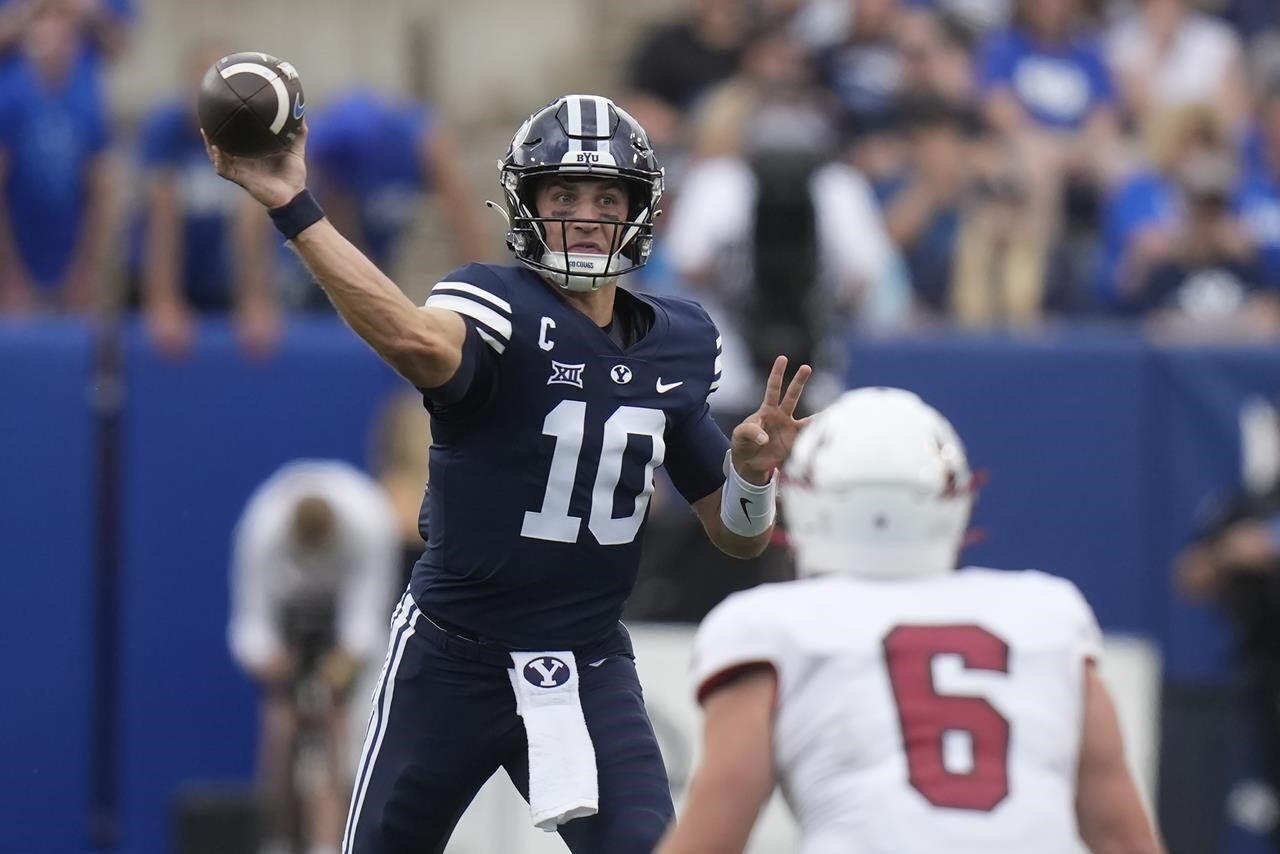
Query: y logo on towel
[{"x": 546, "y": 672}]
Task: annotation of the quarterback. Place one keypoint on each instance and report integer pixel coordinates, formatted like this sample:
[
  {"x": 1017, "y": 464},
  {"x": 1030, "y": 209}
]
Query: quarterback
[{"x": 554, "y": 395}]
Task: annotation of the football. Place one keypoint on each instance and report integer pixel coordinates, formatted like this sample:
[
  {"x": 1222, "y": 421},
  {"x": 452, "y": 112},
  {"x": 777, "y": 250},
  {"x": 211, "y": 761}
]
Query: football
[{"x": 251, "y": 104}]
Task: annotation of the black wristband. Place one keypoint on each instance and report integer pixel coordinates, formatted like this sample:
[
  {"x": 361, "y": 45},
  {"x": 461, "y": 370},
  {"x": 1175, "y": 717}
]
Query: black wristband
[{"x": 297, "y": 215}]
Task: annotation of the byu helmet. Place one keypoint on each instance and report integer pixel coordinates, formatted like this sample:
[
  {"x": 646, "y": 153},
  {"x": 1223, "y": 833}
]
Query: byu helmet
[
  {"x": 877, "y": 486},
  {"x": 582, "y": 135}
]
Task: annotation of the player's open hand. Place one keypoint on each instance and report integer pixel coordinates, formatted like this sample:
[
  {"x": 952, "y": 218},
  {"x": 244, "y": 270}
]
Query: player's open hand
[
  {"x": 273, "y": 180},
  {"x": 763, "y": 441}
]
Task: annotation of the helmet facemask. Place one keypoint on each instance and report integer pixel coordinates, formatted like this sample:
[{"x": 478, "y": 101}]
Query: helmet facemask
[{"x": 629, "y": 241}]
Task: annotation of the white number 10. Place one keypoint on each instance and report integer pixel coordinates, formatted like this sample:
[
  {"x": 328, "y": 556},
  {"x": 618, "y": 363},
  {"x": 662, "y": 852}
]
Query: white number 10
[{"x": 566, "y": 424}]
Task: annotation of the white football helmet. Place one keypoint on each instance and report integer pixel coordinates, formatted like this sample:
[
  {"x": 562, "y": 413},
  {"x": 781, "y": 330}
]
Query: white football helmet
[{"x": 877, "y": 486}]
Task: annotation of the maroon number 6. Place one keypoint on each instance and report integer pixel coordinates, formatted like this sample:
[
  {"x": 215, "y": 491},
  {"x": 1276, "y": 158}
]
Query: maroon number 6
[{"x": 926, "y": 715}]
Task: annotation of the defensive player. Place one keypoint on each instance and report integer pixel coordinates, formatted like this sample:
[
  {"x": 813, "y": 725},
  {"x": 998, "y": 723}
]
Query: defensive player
[
  {"x": 903, "y": 706},
  {"x": 554, "y": 395}
]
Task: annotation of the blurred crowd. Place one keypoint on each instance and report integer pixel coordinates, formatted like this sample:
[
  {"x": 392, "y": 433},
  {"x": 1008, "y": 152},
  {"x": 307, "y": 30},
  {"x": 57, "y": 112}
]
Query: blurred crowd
[
  {"x": 187, "y": 242},
  {"x": 835, "y": 167}
]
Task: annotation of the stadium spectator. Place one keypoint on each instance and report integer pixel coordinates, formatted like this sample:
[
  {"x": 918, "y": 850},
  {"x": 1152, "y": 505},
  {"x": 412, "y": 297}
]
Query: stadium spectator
[
  {"x": 866, "y": 72},
  {"x": 1041, "y": 75},
  {"x": 1233, "y": 560},
  {"x": 198, "y": 246},
  {"x": 1148, "y": 213},
  {"x": 1044, "y": 85},
  {"x": 922, "y": 210},
  {"x": 376, "y": 156},
  {"x": 103, "y": 24},
  {"x": 935, "y": 57},
  {"x": 780, "y": 239},
  {"x": 1006, "y": 273},
  {"x": 1259, "y": 196},
  {"x": 833, "y": 685},
  {"x": 1211, "y": 286},
  {"x": 678, "y": 62},
  {"x": 1166, "y": 55},
  {"x": 53, "y": 167},
  {"x": 314, "y": 572}
]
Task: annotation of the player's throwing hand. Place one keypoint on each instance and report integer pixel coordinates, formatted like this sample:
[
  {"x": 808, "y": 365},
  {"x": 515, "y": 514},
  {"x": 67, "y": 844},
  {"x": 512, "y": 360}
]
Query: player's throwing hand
[
  {"x": 763, "y": 441},
  {"x": 273, "y": 180}
]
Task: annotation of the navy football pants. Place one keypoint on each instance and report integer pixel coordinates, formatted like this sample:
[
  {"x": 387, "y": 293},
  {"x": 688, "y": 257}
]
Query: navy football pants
[{"x": 444, "y": 719}]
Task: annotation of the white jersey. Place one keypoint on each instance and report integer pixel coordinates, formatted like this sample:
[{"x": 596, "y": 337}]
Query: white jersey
[
  {"x": 924, "y": 715},
  {"x": 359, "y": 570}
]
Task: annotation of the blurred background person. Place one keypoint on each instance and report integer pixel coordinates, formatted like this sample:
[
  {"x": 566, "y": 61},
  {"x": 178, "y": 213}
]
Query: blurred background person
[
  {"x": 376, "y": 157},
  {"x": 1044, "y": 87},
  {"x": 866, "y": 72},
  {"x": 1258, "y": 198},
  {"x": 777, "y": 236},
  {"x": 923, "y": 207},
  {"x": 198, "y": 247},
  {"x": 1233, "y": 560},
  {"x": 1211, "y": 285},
  {"x": 935, "y": 55},
  {"x": 864, "y": 75},
  {"x": 1181, "y": 214},
  {"x": 677, "y": 62},
  {"x": 103, "y": 26},
  {"x": 315, "y": 568},
  {"x": 54, "y": 134},
  {"x": 1165, "y": 54},
  {"x": 1004, "y": 274}
]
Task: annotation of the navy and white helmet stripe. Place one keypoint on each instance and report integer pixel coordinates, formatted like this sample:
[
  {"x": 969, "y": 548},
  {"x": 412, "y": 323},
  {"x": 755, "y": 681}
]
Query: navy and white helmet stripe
[{"x": 588, "y": 117}]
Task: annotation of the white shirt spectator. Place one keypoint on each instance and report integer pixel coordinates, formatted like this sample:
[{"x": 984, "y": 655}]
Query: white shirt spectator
[
  {"x": 359, "y": 566},
  {"x": 1190, "y": 71},
  {"x": 709, "y": 234}
]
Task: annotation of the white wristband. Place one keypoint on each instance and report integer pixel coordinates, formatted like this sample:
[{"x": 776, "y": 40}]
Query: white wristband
[{"x": 746, "y": 509}]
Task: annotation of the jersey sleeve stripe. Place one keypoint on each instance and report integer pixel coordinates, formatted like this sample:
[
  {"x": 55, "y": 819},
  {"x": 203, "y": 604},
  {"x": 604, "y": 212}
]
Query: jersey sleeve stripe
[
  {"x": 499, "y": 325},
  {"x": 719, "y": 344},
  {"x": 715, "y": 385},
  {"x": 473, "y": 291},
  {"x": 497, "y": 345}
]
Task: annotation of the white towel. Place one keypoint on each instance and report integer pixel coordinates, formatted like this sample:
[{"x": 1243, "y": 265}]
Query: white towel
[{"x": 562, "y": 761}]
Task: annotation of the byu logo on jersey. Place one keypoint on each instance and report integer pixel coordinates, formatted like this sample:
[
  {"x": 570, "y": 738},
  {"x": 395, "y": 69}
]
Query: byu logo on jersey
[
  {"x": 546, "y": 672},
  {"x": 621, "y": 374},
  {"x": 566, "y": 374}
]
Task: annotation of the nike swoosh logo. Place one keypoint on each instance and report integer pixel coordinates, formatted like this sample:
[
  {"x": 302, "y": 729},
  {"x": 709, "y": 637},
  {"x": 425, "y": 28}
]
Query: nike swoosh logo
[
  {"x": 298, "y": 107},
  {"x": 663, "y": 388},
  {"x": 744, "y": 502}
]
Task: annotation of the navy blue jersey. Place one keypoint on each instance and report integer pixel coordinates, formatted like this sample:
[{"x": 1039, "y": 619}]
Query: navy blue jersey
[{"x": 546, "y": 442}]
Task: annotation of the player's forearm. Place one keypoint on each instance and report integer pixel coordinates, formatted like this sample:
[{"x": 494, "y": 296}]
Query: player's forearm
[
  {"x": 419, "y": 343},
  {"x": 1126, "y": 831},
  {"x": 734, "y": 545},
  {"x": 718, "y": 816},
  {"x": 738, "y": 546}
]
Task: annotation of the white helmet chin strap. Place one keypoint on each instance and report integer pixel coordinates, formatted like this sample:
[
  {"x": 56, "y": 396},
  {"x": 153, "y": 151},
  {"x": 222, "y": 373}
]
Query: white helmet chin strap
[{"x": 590, "y": 265}]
